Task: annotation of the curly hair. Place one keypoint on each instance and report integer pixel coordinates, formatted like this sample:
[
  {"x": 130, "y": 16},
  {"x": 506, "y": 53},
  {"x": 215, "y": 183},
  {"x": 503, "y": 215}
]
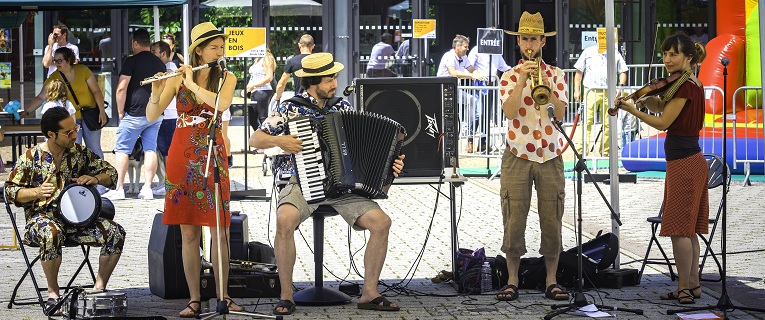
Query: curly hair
[{"x": 56, "y": 90}]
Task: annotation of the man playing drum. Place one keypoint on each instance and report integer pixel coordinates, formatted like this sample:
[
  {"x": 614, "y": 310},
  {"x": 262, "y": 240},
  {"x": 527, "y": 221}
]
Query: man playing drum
[{"x": 36, "y": 182}]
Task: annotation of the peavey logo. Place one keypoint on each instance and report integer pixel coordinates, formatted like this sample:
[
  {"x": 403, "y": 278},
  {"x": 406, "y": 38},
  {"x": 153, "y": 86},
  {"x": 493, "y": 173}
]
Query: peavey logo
[{"x": 432, "y": 128}]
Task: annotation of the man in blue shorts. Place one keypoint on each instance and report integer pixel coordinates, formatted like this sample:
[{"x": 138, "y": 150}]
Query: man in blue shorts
[{"x": 132, "y": 99}]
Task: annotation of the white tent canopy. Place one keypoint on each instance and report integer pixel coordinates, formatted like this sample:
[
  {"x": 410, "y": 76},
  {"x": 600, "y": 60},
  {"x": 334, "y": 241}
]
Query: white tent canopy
[{"x": 276, "y": 7}]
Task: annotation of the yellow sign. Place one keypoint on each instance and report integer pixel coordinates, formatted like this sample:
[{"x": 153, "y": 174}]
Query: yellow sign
[
  {"x": 602, "y": 39},
  {"x": 246, "y": 42},
  {"x": 424, "y": 28}
]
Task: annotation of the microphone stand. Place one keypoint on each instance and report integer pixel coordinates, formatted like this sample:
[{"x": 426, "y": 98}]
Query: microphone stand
[
  {"x": 723, "y": 304},
  {"x": 579, "y": 299},
  {"x": 212, "y": 156}
]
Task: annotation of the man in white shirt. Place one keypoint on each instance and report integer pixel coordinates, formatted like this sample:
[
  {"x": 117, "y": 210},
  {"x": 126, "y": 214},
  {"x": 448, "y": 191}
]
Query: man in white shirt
[
  {"x": 382, "y": 52},
  {"x": 403, "y": 59},
  {"x": 591, "y": 67},
  {"x": 486, "y": 64},
  {"x": 58, "y": 38},
  {"x": 454, "y": 63}
]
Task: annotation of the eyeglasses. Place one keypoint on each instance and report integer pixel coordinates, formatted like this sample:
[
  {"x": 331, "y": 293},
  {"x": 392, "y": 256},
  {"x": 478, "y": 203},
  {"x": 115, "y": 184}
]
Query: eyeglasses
[
  {"x": 58, "y": 61},
  {"x": 70, "y": 132},
  {"x": 56, "y": 34},
  {"x": 168, "y": 37}
]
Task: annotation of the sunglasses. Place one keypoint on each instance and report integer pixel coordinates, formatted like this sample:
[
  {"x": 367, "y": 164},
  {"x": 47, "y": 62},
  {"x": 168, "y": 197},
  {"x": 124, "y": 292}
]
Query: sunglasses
[
  {"x": 56, "y": 34},
  {"x": 71, "y": 132},
  {"x": 58, "y": 61},
  {"x": 167, "y": 37}
]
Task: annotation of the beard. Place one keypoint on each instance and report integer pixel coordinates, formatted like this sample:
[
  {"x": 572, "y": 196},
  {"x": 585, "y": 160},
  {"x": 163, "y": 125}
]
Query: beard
[{"x": 325, "y": 94}]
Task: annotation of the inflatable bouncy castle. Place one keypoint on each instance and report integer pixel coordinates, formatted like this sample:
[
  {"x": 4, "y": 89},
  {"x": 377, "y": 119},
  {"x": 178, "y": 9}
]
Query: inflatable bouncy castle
[{"x": 738, "y": 39}]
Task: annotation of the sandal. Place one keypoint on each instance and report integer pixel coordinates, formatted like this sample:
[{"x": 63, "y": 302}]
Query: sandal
[
  {"x": 560, "y": 294},
  {"x": 379, "y": 304},
  {"x": 194, "y": 312},
  {"x": 672, "y": 296},
  {"x": 284, "y": 304},
  {"x": 696, "y": 296},
  {"x": 230, "y": 303},
  {"x": 442, "y": 276},
  {"x": 685, "y": 296},
  {"x": 504, "y": 295},
  {"x": 49, "y": 305}
]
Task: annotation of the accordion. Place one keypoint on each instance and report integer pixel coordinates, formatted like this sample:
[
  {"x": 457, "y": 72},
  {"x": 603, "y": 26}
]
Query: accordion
[{"x": 346, "y": 152}]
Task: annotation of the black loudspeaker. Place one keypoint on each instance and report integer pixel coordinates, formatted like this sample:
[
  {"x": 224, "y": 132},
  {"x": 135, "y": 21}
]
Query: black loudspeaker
[
  {"x": 426, "y": 108},
  {"x": 240, "y": 237},
  {"x": 166, "y": 277}
]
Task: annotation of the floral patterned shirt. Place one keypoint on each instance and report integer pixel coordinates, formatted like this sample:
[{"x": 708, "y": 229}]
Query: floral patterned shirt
[
  {"x": 287, "y": 110},
  {"x": 35, "y": 165},
  {"x": 531, "y": 135}
]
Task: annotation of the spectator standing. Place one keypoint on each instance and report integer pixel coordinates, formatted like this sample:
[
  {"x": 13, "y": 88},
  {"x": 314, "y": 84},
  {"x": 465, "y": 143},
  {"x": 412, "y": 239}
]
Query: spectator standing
[
  {"x": 382, "y": 52},
  {"x": 592, "y": 73},
  {"x": 259, "y": 88},
  {"x": 132, "y": 99},
  {"x": 454, "y": 63},
  {"x": 486, "y": 64},
  {"x": 57, "y": 39},
  {"x": 176, "y": 57},
  {"x": 305, "y": 45},
  {"x": 403, "y": 59}
]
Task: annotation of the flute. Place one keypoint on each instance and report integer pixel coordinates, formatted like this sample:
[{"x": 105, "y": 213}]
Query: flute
[{"x": 178, "y": 73}]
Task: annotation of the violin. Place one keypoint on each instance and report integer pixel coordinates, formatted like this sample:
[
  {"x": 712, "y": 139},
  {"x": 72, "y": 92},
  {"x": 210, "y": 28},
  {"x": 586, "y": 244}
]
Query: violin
[{"x": 653, "y": 87}]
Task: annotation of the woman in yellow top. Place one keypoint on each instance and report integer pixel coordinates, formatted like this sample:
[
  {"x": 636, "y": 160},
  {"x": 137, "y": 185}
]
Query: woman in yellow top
[{"x": 86, "y": 89}]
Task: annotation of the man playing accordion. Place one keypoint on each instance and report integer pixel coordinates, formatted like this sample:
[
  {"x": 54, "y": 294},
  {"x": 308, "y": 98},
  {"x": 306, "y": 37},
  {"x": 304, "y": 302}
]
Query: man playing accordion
[
  {"x": 319, "y": 78},
  {"x": 37, "y": 180}
]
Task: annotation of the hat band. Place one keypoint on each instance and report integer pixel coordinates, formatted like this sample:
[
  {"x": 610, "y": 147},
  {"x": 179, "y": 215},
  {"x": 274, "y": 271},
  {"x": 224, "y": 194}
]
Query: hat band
[
  {"x": 321, "y": 69},
  {"x": 530, "y": 30},
  {"x": 209, "y": 34}
]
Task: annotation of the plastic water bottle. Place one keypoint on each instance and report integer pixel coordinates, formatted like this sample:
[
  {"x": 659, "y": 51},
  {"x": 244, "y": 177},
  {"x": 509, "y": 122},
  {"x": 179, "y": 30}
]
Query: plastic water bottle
[{"x": 486, "y": 277}]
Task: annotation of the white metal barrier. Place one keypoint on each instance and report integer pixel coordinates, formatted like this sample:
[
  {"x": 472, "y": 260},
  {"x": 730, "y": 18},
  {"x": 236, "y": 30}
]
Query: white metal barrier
[{"x": 754, "y": 154}]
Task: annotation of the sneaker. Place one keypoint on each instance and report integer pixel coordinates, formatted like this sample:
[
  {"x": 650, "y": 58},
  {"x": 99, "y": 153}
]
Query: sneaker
[
  {"x": 158, "y": 191},
  {"x": 145, "y": 193},
  {"x": 114, "y": 194}
]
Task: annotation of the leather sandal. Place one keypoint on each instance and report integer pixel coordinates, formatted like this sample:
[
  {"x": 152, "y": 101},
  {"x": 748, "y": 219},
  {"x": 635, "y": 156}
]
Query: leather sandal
[
  {"x": 685, "y": 296},
  {"x": 560, "y": 294},
  {"x": 194, "y": 312},
  {"x": 505, "y": 295},
  {"x": 231, "y": 304}
]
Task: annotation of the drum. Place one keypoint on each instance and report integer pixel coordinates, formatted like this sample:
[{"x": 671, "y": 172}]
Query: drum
[
  {"x": 79, "y": 205},
  {"x": 104, "y": 304}
]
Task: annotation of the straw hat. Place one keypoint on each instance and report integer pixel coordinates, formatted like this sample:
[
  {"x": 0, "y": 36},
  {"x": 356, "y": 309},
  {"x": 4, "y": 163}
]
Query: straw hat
[
  {"x": 319, "y": 64},
  {"x": 202, "y": 32},
  {"x": 531, "y": 24}
]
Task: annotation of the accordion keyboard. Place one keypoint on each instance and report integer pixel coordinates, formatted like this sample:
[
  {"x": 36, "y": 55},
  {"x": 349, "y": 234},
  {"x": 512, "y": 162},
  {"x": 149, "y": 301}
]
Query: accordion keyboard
[{"x": 309, "y": 163}]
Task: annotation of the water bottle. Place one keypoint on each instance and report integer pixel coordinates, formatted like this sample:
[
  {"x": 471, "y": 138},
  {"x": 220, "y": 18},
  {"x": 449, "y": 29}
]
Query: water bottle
[{"x": 486, "y": 277}]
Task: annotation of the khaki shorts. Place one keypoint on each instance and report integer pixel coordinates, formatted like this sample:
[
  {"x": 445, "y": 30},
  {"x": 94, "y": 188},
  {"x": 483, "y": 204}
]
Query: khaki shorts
[{"x": 349, "y": 206}]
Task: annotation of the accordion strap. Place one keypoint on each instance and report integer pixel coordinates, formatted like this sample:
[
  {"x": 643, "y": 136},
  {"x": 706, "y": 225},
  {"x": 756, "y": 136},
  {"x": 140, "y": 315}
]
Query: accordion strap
[{"x": 299, "y": 100}]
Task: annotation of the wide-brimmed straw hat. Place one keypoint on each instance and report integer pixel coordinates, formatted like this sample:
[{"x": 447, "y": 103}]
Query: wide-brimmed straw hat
[
  {"x": 202, "y": 32},
  {"x": 319, "y": 64},
  {"x": 531, "y": 24}
]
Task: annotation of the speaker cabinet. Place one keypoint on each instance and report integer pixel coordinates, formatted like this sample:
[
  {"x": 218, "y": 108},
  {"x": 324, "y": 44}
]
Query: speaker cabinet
[
  {"x": 426, "y": 108},
  {"x": 166, "y": 277}
]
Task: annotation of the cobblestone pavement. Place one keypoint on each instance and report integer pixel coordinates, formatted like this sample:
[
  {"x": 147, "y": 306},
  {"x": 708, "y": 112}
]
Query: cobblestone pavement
[{"x": 420, "y": 247}]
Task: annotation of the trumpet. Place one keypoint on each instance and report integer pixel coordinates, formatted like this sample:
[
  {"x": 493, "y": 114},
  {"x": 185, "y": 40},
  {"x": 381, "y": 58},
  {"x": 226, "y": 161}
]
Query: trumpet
[
  {"x": 540, "y": 92},
  {"x": 179, "y": 73}
]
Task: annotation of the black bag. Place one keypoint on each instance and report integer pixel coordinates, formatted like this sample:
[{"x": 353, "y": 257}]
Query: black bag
[
  {"x": 597, "y": 254},
  {"x": 90, "y": 118},
  {"x": 532, "y": 273},
  {"x": 89, "y": 114},
  {"x": 260, "y": 252},
  {"x": 468, "y": 269}
]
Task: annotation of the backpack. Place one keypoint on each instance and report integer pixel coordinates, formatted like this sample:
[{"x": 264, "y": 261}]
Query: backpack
[{"x": 468, "y": 276}]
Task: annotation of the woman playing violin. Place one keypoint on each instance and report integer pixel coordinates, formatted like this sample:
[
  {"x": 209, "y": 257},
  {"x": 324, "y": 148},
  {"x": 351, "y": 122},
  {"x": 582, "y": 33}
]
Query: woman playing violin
[{"x": 680, "y": 112}]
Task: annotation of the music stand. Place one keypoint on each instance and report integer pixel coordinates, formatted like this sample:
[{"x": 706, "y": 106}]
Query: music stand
[
  {"x": 579, "y": 298},
  {"x": 221, "y": 307},
  {"x": 724, "y": 303}
]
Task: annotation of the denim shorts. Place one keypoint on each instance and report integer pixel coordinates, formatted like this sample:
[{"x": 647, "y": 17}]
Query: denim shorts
[{"x": 131, "y": 128}]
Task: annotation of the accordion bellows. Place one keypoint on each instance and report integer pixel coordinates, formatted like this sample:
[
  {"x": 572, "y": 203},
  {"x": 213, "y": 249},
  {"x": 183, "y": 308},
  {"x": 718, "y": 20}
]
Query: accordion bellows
[{"x": 346, "y": 152}]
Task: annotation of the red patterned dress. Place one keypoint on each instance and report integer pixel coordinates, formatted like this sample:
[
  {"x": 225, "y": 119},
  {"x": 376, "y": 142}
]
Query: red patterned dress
[{"x": 187, "y": 200}]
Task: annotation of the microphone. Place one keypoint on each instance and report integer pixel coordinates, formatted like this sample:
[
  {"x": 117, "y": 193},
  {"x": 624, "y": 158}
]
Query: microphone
[
  {"x": 349, "y": 89},
  {"x": 221, "y": 62},
  {"x": 725, "y": 61},
  {"x": 551, "y": 112}
]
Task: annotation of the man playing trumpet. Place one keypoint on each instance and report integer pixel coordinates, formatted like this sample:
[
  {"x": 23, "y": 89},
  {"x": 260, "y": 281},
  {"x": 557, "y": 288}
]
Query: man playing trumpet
[{"x": 532, "y": 156}]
